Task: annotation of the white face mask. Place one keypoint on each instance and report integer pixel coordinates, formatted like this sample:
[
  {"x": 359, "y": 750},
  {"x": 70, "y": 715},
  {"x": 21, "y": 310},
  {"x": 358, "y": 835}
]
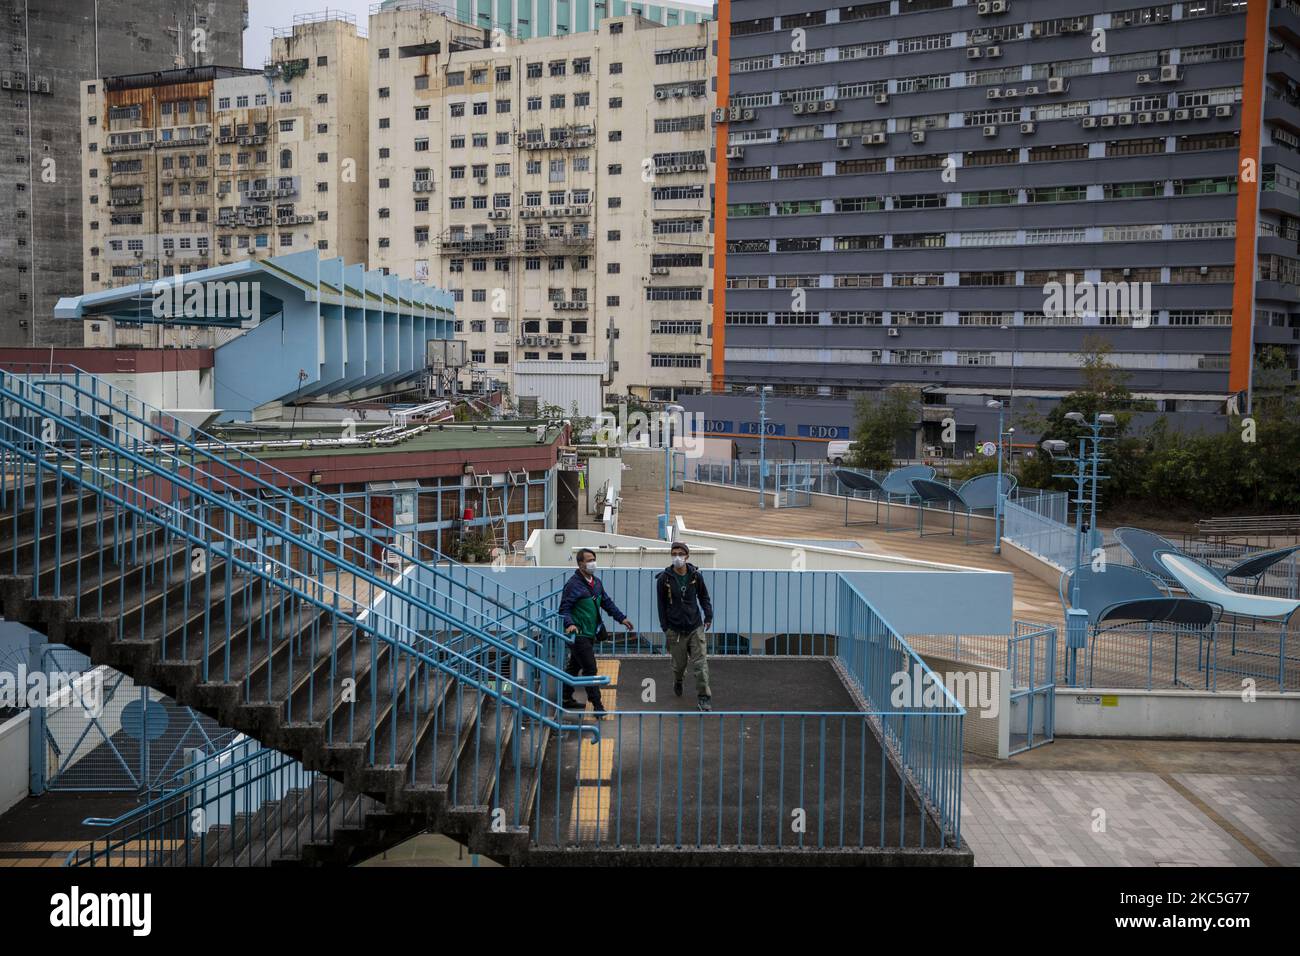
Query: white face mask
[
  {"x": 590, "y": 567},
  {"x": 679, "y": 561}
]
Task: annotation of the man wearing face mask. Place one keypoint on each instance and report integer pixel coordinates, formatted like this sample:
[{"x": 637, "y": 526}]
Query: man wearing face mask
[
  {"x": 580, "y": 607},
  {"x": 685, "y": 613}
]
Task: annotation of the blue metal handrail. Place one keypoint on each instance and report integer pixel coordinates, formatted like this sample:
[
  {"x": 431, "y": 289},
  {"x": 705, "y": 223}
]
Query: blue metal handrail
[
  {"x": 298, "y": 541},
  {"x": 277, "y": 581},
  {"x": 355, "y": 531}
]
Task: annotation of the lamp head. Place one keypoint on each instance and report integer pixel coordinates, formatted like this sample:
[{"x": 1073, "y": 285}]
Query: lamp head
[
  {"x": 1054, "y": 447},
  {"x": 1106, "y": 419},
  {"x": 1076, "y": 417}
]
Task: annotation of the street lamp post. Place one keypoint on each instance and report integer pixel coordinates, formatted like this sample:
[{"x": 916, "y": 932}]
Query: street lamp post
[
  {"x": 1087, "y": 477},
  {"x": 666, "y": 433},
  {"x": 999, "y": 497},
  {"x": 762, "y": 442}
]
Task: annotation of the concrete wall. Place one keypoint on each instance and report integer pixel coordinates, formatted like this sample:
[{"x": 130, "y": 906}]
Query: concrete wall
[
  {"x": 1176, "y": 714},
  {"x": 987, "y": 727},
  {"x": 14, "y": 760}
]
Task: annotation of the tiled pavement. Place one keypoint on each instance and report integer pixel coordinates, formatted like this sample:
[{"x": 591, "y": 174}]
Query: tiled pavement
[{"x": 1136, "y": 803}]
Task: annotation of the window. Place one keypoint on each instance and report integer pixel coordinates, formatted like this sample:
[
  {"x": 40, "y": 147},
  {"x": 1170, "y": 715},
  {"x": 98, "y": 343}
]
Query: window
[
  {"x": 422, "y": 81},
  {"x": 616, "y": 68}
]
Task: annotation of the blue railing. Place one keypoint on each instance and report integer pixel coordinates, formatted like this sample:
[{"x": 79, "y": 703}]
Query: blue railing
[
  {"x": 172, "y": 551},
  {"x": 447, "y": 595},
  {"x": 323, "y": 516},
  {"x": 242, "y": 806},
  {"x": 1039, "y": 534},
  {"x": 168, "y": 527}
]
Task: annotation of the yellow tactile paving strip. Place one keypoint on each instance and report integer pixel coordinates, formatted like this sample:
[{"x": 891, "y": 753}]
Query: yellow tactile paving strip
[
  {"x": 590, "y": 811},
  {"x": 51, "y": 853}
]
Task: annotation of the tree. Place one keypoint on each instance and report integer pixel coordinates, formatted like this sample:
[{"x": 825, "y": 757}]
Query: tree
[{"x": 878, "y": 422}]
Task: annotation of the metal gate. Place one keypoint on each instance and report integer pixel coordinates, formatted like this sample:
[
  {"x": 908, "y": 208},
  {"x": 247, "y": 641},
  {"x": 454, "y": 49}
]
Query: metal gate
[
  {"x": 100, "y": 731},
  {"x": 1031, "y": 668}
]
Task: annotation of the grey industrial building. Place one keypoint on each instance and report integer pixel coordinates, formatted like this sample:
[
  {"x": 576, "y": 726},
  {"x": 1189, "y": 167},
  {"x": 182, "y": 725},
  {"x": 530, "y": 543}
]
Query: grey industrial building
[
  {"x": 48, "y": 48},
  {"x": 906, "y": 180}
]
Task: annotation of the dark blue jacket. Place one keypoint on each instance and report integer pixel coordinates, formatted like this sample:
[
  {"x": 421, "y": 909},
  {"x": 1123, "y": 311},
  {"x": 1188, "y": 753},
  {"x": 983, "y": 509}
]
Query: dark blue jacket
[
  {"x": 576, "y": 589},
  {"x": 678, "y": 611}
]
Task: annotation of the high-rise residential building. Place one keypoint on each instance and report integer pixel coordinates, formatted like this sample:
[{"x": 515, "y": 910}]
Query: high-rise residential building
[
  {"x": 47, "y": 49},
  {"x": 966, "y": 197},
  {"x": 560, "y": 187},
  {"x": 526, "y": 19},
  {"x": 196, "y": 167}
]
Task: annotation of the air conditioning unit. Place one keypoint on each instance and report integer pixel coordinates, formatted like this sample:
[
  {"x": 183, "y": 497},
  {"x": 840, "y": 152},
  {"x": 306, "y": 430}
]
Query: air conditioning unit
[
  {"x": 1001, "y": 6},
  {"x": 1032, "y": 91},
  {"x": 735, "y": 152},
  {"x": 990, "y": 131},
  {"x": 1028, "y": 127},
  {"x": 1170, "y": 74},
  {"x": 1010, "y": 93},
  {"x": 658, "y": 271},
  {"x": 984, "y": 8},
  {"x": 829, "y": 106},
  {"x": 993, "y": 94},
  {"x": 720, "y": 115},
  {"x": 873, "y": 139},
  {"x": 1108, "y": 121},
  {"x": 1181, "y": 115},
  {"x": 679, "y": 92},
  {"x": 1057, "y": 84},
  {"x": 843, "y": 142},
  {"x": 993, "y": 52},
  {"x": 918, "y": 136},
  {"x": 674, "y": 169},
  {"x": 575, "y": 339},
  {"x": 882, "y": 99},
  {"x": 1125, "y": 119},
  {"x": 1223, "y": 111},
  {"x": 972, "y": 53},
  {"x": 892, "y": 333},
  {"x": 660, "y": 94},
  {"x": 1143, "y": 78},
  {"x": 568, "y": 210},
  {"x": 1201, "y": 112},
  {"x": 1162, "y": 116},
  {"x": 481, "y": 180},
  {"x": 798, "y": 108},
  {"x": 169, "y": 253},
  {"x": 1146, "y": 117},
  {"x": 1088, "y": 122},
  {"x": 734, "y": 114},
  {"x": 747, "y": 114},
  {"x": 812, "y": 107}
]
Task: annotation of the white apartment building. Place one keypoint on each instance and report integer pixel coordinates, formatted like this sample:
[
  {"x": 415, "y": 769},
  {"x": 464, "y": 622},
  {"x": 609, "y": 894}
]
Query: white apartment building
[
  {"x": 191, "y": 168},
  {"x": 560, "y": 187}
]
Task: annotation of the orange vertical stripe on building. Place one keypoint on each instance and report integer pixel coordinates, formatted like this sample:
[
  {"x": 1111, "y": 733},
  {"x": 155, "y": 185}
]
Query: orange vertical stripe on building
[
  {"x": 1252, "y": 114},
  {"x": 720, "y": 199}
]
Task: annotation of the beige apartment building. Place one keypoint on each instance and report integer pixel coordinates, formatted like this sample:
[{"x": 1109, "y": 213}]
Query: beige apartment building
[
  {"x": 559, "y": 186},
  {"x": 190, "y": 168}
]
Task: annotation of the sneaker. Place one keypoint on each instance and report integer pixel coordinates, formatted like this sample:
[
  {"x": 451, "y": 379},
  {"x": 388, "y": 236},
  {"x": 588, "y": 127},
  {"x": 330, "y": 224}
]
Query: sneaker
[
  {"x": 706, "y": 703},
  {"x": 677, "y": 688},
  {"x": 600, "y": 713},
  {"x": 574, "y": 705}
]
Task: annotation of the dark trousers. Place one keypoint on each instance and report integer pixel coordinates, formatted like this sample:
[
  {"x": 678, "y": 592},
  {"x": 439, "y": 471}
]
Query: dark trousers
[{"x": 582, "y": 662}]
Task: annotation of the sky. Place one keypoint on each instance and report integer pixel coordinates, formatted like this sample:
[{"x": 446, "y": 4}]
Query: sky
[{"x": 263, "y": 15}]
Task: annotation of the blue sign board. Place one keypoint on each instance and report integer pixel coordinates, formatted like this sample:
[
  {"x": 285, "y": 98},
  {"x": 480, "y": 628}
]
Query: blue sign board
[
  {"x": 144, "y": 719},
  {"x": 824, "y": 431},
  {"x": 773, "y": 428},
  {"x": 718, "y": 426}
]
